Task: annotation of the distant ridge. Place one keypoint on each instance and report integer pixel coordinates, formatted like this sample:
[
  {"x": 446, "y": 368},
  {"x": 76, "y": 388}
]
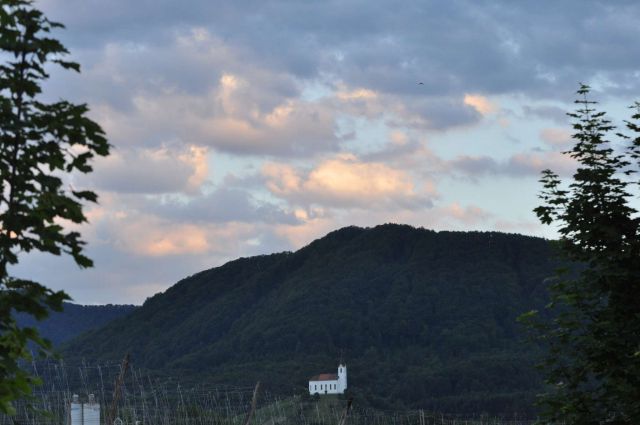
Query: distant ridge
[
  {"x": 425, "y": 319},
  {"x": 62, "y": 326}
]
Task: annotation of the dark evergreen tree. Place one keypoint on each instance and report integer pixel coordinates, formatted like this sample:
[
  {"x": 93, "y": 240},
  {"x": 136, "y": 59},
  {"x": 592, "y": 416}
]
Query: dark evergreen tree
[{"x": 593, "y": 340}]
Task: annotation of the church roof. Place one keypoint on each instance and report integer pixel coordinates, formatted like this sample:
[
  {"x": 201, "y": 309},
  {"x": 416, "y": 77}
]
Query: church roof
[{"x": 325, "y": 377}]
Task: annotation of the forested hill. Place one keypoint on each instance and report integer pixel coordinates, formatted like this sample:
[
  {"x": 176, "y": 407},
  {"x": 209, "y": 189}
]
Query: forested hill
[
  {"x": 74, "y": 320},
  {"x": 423, "y": 319}
]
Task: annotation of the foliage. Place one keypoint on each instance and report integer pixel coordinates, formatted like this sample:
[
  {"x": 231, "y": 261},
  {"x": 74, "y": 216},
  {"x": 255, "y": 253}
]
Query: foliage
[
  {"x": 423, "y": 319},
  {"x": 39, "y": 144},
  {"x": 593, "y": 363}
]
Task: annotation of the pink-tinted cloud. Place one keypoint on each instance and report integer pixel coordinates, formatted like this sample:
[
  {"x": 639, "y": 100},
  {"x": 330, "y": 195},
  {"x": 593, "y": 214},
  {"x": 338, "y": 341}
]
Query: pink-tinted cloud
[
  {"x": 346, "y": 181},
  {"x": 469, "y": 215},
  {"x": 177, "y": 241},
  {"x": 480, "y": 103},
  {"x": 559, "y": 138},
  {"x": 144, "y": 234}
]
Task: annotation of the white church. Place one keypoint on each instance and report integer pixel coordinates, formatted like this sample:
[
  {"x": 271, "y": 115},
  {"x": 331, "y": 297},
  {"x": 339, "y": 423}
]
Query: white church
[{"x": 329, "y": 383}]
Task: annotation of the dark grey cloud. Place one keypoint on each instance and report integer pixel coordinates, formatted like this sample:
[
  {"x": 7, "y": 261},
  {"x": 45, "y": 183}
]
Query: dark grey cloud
[
  {"x": 220, "y": 206},
  {"x": 552, "y": 113},
  {"x": 476, "y": 165},
  {"x": 440, "y": 113},
  {"x": 395, "y": 152},
  {"x": 524, "y": 164},
  {"x": 149, "y": 171},
  {"x": 540, "y": 48}
]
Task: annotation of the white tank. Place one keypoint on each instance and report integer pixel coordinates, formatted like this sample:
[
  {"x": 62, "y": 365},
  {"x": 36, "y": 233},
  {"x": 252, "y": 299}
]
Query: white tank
[
  {"x": 84, "y": 413},
  {"x": 75, "y": 411},
  {"x": 91, "y": 412}
]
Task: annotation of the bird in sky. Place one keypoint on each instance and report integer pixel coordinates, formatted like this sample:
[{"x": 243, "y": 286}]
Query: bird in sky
[{"x": 421, "y": 83}]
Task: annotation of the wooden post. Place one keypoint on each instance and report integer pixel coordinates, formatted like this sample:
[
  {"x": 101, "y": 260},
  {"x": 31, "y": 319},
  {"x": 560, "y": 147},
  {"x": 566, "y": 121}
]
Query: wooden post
[
  {"x": 345, "y": 413},
  {"x": 111, "y": 413},
  {"x": 254, "y": 400}
]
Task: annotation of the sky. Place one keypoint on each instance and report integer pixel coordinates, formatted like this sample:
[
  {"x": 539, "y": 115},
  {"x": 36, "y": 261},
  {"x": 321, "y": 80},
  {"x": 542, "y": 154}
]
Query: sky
[{"x": 249, "y": 127}]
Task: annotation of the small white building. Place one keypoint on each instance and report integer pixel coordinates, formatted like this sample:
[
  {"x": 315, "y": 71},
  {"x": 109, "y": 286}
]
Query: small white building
[{"x": 329, "y": 383}]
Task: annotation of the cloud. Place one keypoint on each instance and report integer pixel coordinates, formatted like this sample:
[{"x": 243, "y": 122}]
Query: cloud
[
  {"x": 517, "y": 165},
  {"x": 309, "y": 229},
  {"x": 475, "y": 165},
  {"x": 530, "y": 227},
  {"x": 359, "y": 94},
  {"x": 469, "y": 215},
  {"x": 480, "y": 104},
  {"x": 230, "y": 117},
  {"x": 222, "y": 205},
  {"x": 165, "y": 80},
  {"x": 430, "y": 113},
  {"x": 167, "y": 169},
  {"x": 139, "y": 255},
  {"x": 493, "y": 47},
  {"x": 195, "y": 88},
  {"x": 556, "y": 137},
  {"x": 553, "y": 113},
  {"x": 346, "y": 181},
  {"x": 345, "y": 178},
  {"x": 179, "y": 240},
  {"x": 534, "y": 163},
  {"x": 271, "y": 100},
  {"x": 118, "y": 224}
]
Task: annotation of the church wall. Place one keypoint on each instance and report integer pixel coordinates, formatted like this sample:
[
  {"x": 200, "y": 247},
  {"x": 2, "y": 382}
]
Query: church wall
[
  {"x": 330, "y": 387},
  {"x": 324, "y": 387}
]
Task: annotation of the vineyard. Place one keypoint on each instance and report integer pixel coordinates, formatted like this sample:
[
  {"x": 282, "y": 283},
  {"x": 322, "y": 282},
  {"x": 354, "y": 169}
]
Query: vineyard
[{"x": 146, "y": 400}]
